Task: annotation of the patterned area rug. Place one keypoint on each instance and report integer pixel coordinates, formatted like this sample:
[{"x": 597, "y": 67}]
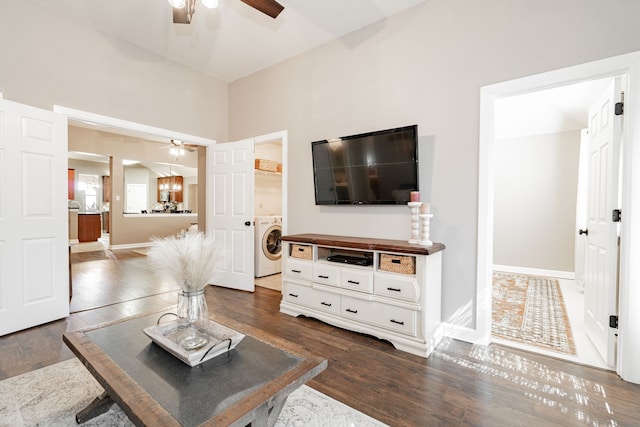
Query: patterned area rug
[
  {"x": 530, "y": 310},
  {"x": 51, "y": 396}
]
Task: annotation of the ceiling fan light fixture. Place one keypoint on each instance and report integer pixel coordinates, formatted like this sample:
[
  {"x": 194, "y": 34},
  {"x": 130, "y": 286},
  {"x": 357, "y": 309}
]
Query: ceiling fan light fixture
[
  {"x": 175, "y": 151},
  {"x": 209, "y": 4},
  {"x": 177, "y": 4}
]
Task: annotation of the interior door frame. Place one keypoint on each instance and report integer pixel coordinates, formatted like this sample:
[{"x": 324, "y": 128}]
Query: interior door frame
[
  {"x": 114, "y": 125},
  {"x": 629, "y": 66},
  {"x": 282, "y": 136}
]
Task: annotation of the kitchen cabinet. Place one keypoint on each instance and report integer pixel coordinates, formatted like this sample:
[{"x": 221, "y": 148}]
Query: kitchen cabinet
[
  {"x": 106, "y": 189},
  {"x": 71, "y": 185},
  {"x": 171, "y": 188},
  {"x": 105, "y": 222},
  {"x": 89, "y": 228}
]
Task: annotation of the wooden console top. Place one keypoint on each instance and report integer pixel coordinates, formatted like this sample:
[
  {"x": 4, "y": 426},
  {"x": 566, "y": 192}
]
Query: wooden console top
[{"x": 364, "y": 243}]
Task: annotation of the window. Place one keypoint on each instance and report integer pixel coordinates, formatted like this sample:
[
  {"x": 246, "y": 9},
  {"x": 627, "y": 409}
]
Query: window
[{"x": 89, "y": 184}]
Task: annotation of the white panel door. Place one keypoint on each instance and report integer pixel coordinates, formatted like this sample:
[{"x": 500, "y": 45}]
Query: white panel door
[
  {"x": 230, "y": 220},
  {"x": 581, "y": 210},
  {"x": 602, "y": 246},
  {"x": 34, "y": 272}
]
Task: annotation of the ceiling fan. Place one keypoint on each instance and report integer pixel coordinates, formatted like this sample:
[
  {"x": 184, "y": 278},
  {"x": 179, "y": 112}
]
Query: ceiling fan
[
  {"x": 183, "y": 10},
  {"x": 177, "y": 147}
]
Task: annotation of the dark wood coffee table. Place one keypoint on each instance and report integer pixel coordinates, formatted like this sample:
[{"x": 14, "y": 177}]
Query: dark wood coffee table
[{"x": 246, "y": 386}]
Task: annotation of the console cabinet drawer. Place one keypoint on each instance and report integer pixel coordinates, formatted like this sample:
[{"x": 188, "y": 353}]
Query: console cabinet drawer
[
  {"x": 326, "y": 274},
  {"x": 298, "y": 269},
  {"x": 356, "y": 279},
  {"x": 394, "y": 286},
  {"x": 314, "y": 298},
  {"x": 386, "y": 316}
]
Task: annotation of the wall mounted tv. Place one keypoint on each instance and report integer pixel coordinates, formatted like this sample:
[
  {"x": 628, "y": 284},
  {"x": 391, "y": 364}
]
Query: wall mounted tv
[{"x": 375, "y": 168}]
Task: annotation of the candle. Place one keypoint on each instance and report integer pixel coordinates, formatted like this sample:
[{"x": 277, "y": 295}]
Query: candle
[
  {"x": 425, "y": 208},
  {"x": 415, "y": 196}
]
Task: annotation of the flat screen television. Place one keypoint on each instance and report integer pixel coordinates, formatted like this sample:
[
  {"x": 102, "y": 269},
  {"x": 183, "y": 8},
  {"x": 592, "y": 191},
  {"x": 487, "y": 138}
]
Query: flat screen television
[{"x": 374, "y": 168}]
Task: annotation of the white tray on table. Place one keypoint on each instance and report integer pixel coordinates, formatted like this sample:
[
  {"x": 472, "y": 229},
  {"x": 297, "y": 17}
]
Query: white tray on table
[{"x": 219, "y": 336}]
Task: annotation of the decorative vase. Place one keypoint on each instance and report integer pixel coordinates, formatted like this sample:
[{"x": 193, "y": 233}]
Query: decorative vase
[{"x": 192, "y": 318}]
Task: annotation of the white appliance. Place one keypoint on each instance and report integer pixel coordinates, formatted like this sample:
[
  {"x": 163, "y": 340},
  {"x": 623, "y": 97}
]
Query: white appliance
[
  {"x": 268, "y": 259},
  {"x": 74, "y": 208}
]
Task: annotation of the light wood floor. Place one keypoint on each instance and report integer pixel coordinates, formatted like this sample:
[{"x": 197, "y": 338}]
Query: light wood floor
[{"x": 460, "y": 384}]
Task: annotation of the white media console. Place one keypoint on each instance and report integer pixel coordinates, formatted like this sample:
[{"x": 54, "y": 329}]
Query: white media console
[{"x": 389, "y": 289}]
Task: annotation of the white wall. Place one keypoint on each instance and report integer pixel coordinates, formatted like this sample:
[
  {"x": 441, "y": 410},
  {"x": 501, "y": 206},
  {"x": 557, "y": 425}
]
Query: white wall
[
  {"x": 190, "y": 201},
  {"x": 424, "y": 66},
  {"x": 536, "y": 185},
  {"x": 268, "y": 187},
  {"x": 47, "y": 59}
]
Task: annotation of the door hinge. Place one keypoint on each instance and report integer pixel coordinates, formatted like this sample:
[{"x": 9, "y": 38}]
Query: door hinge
[
  {"x": 613, "y": 322},
  {"x": 619, "y": 108},
  {"x": 616, "y": 215}
]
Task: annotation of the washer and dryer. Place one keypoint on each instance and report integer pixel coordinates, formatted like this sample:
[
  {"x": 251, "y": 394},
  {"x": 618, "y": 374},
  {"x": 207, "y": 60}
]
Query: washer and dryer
[{"x": 268, "y": 259}]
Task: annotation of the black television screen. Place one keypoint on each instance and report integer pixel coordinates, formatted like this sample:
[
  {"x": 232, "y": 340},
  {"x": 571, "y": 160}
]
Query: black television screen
[{"x": 371, "y": 168}]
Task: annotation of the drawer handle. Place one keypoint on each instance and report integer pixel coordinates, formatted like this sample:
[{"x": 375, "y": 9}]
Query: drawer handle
[
  {"x": 293, "y": 295},
  {"x": 301, "y": 249},
  {"x": 326, "y": 303},
  {"x": 296, "y": 271},
  {"x": 397, "y": 322},
  {"x": 395, "y": 261},
  {"x": 323, "y": 277},
  {"x": 348, "y": 310},
  {"x": 394, "y": 289},
  {"x": 353, "y": 282}
]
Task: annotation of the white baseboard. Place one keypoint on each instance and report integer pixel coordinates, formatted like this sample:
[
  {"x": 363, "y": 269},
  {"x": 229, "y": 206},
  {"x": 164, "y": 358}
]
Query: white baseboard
[
  {"x": 462, "y": 333},
  {"x": 570, "y": 275},
  {"x": 131, "y": 245}
]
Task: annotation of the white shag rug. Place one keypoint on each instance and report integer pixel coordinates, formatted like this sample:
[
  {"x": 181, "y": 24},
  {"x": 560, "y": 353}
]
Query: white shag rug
[{"x": 51, "y": 396}]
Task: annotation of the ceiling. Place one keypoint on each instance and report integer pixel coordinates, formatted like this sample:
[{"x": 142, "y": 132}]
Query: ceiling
[
  {"x": 234, "y": 40},
  {"x": 559, "y": 109}
]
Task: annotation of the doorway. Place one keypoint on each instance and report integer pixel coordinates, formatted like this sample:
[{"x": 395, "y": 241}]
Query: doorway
[
  {"x": 628, "y": 65},
  {"x": 537, "y": 211},
  {"x": 92, "y": 196},
  {"x": 156, "y": 163},
  {"x": 268, "y": 191}
]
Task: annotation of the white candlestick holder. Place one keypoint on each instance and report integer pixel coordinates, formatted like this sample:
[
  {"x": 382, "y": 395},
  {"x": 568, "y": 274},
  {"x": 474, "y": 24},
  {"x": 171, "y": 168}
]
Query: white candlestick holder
[
  {"x": 415, "y": 222},
  {"x": 425, "y": 224}
]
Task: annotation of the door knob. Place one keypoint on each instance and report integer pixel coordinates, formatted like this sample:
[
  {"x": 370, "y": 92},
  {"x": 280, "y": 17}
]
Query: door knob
[
  {"x": 247, "y": 223},
  {"x": 585, "y": 232}
]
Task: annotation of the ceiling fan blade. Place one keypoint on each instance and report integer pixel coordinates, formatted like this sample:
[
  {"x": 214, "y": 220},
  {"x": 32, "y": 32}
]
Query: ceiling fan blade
[{"x": 268, "y": 7}]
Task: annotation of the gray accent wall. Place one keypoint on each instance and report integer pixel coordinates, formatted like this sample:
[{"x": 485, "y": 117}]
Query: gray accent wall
[{"x": 426, "y": 66}]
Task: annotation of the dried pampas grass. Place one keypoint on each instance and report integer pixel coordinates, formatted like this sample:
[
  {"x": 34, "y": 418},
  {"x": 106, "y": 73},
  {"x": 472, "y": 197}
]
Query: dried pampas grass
[{"x": 189, "y": 259}]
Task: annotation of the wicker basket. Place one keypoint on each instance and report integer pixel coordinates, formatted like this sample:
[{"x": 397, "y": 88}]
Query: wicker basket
[
  {"x": 302, "y": 251},
  {"x": 323, "y": 253},
  {"x": 266, "y": 165},
  {"x": 398, "y": 263}
]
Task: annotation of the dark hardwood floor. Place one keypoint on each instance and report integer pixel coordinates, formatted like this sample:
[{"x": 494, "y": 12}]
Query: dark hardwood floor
[{"x": 460, "y": 384}]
